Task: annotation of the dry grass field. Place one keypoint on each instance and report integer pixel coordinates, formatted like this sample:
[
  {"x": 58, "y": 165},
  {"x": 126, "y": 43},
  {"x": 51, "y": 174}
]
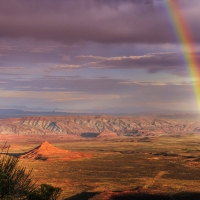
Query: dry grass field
[{"x": 166, "y": 166}]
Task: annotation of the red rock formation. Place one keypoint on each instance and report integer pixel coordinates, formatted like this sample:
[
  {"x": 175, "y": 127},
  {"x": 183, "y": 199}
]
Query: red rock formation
[
  {"x": 107, "y": 134},
  {"x": 47, "y": 150}
]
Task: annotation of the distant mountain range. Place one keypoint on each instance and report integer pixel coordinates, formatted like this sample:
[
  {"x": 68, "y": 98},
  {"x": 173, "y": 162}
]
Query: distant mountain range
[
  {"x": 18, "y": 113},
  {"x": 15, "y": 113},
  {"x": 97, "y": 126}
]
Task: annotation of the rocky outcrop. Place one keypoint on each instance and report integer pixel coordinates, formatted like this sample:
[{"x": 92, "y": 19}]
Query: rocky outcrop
[
  {"x": 43, "y": 150},
  {"x": 47, "y": 151},
  {"x": 107, "y": 134}
]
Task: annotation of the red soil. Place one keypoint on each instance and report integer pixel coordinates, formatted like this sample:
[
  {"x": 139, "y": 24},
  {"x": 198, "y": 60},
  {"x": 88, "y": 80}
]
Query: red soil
[{"x": 47, "y": 150}]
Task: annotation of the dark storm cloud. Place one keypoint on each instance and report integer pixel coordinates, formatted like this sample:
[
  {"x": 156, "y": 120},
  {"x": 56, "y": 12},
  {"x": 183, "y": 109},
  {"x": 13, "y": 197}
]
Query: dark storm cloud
[{"x": 72, "y": 21}]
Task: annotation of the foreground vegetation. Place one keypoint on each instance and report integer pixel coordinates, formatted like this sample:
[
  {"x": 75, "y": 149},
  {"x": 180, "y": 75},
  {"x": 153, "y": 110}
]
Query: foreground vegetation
[{"x": 16, "y": 182}]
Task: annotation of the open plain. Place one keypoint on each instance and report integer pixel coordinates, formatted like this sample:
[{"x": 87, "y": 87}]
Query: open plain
[{"x": 164, "y": 165}]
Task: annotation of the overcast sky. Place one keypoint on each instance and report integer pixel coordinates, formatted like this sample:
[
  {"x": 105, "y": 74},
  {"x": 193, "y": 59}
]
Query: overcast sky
[{"x": 96, "y": 56}]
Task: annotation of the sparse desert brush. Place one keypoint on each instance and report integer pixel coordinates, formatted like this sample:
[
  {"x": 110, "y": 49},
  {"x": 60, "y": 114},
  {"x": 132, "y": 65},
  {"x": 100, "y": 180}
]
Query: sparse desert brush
[
  {"x": 45, "y": 192},
  {"x": 16, "y": 182}
]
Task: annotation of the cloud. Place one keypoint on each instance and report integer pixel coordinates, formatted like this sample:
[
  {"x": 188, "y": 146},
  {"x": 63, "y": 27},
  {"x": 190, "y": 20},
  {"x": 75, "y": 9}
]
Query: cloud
[
  {"x": 65, "y": 57},
  {"x": 100, "y": 86},
  {"x": 129, "y": 82},
  {"x": 63, "y": 67},
  {"x": 66, "y": 77},
  {"x": 13, "y": 68},
  {"x": 110, "y": 21},
  {"x": 171, "y": 62},
  {"x": 55, "y": 96},
  {"x": 94, "y": 54},
  {"x": 92, "y": 94},
  {"x": 26, "y": 48},
  {"x": 106, "y": 95},
  {"x": 92, "y": 57},
  {"x": 13, "y": 71},
  {"x": 159, "y": 83},
  {"x": 66, "y": 84}
]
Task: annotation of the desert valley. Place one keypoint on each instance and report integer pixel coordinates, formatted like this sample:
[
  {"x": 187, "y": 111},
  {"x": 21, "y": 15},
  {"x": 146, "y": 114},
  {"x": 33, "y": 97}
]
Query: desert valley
[
  {"x": 99, "y": 100},
  {"x": 109, "y": 157}
]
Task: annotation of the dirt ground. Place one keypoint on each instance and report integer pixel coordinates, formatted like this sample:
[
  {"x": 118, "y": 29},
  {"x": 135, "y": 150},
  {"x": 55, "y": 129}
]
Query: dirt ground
[{"x": 165, "y": 167}]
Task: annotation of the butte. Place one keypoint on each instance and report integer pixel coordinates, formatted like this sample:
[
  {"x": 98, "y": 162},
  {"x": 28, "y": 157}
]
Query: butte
[{"x": 46, "y": 151}]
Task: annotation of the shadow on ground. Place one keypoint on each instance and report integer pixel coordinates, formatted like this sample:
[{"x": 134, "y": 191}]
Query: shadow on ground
[
  {"x": 82, "y": 196},
  {"x": 136, "y": 196},
  {"x": 17, "y": 155}
]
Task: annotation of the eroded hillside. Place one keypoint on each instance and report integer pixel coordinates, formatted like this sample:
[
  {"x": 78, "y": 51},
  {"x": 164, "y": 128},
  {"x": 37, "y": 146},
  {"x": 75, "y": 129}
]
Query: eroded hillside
[{"x": 94, "y": 125}]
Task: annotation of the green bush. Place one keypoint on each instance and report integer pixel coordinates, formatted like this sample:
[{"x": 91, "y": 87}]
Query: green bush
[
  {"x": 16, "y": 182},
  {"x": 45, "y": 192}
]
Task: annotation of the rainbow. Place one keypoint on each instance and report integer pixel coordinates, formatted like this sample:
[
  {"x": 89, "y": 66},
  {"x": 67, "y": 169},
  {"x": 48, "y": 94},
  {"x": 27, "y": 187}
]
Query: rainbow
[{"x": 186, "y": 41}]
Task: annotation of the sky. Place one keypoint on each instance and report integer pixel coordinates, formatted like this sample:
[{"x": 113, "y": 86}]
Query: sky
[{"x": 95, "y": 56}]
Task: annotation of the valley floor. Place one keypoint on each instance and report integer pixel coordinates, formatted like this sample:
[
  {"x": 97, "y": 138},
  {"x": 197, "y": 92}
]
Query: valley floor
[{"x": 164, "y": 167}]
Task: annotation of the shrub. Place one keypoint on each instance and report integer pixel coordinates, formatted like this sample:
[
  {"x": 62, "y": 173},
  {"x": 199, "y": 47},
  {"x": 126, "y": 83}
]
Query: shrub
[
  {"x": 45, "y": 192},
  {"x": 16, "y": 182}
]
